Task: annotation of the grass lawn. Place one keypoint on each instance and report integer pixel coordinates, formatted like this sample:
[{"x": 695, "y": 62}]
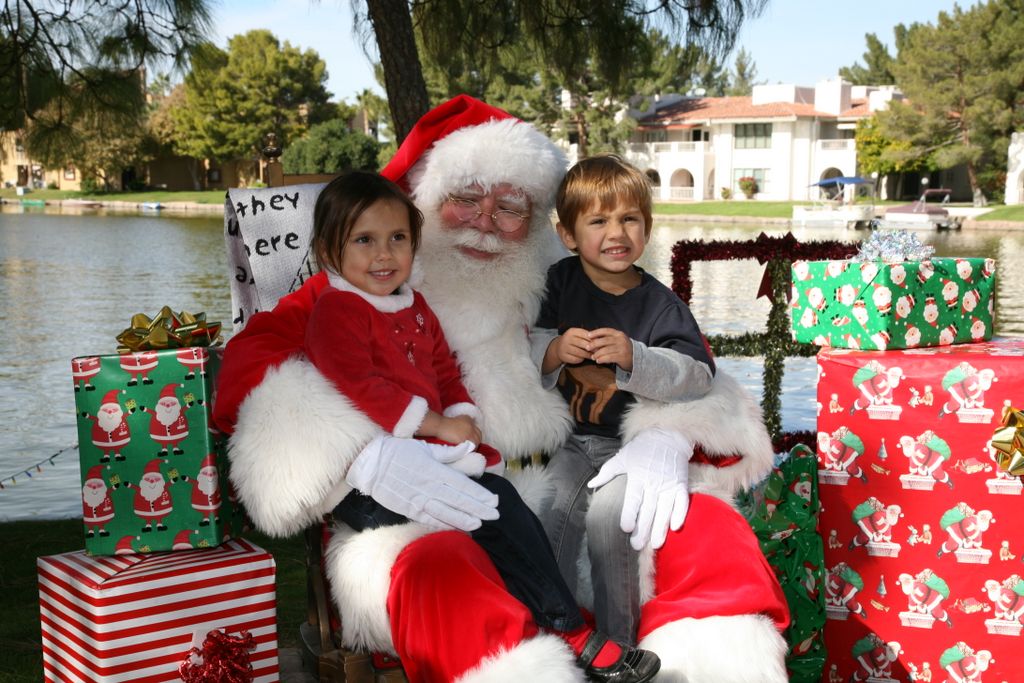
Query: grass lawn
[
  {"x": 1003, "y": 213},
  {"x": 163, "y": 196},
  {"x": 729, "y": 208},
  {"x": 22, "y": 659}
]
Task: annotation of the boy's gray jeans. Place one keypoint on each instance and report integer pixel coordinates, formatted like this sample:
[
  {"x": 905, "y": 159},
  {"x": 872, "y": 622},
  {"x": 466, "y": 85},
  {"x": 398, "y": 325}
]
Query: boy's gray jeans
[{"x": 577, "y": 512}]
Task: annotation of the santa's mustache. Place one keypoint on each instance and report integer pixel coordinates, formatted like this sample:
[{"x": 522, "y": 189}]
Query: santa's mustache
[{"x": 474, "y": 239}]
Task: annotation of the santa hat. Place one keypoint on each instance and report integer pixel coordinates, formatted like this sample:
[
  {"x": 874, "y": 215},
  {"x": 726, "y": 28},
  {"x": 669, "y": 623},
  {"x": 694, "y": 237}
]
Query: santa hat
[
  {"x": 209, "y": 461},
  {"x": 169, "y": 391},
  {"x": 152, "y": 467},
  {"x": 95, "y": 472},
  {"x": 465, "y": 142},
  {"x": 124, "y": 546},
  {"x": 181, "y": 540},
  {"x": 111, "y": 398}
]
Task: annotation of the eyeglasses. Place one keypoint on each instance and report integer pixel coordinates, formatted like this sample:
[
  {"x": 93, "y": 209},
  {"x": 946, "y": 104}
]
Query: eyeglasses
[{"x": 467, "y": 210}]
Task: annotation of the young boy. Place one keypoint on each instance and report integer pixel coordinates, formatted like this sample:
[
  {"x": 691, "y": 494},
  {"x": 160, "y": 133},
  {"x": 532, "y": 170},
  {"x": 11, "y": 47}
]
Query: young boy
[{"x": 608, "y": 332}]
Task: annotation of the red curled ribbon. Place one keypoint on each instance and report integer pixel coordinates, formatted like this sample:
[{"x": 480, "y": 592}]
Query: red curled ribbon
[{"x": 222, "y": 659}]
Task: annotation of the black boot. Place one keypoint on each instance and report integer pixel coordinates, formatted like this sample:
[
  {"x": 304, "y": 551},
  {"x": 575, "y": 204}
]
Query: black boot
[{"x": 633, "y": 666}]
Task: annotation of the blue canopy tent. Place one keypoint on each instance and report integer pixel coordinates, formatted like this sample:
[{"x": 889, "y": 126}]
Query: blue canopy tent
[
  {"x": 842, "y": 180},
  {"x": 833, "y": 188}
]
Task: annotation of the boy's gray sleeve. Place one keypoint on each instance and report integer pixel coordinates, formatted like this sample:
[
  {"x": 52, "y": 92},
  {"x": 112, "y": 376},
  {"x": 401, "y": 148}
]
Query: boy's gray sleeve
[
  {"x": 540, "y": 339},
  {"x": 664, "y": 375}
]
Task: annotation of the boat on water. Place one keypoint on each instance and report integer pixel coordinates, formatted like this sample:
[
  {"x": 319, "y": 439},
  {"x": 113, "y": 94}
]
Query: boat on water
[
  {"x": 32, "y": 202},
  {"x": 929, "y": 212},
  {"x": 150, "y": 206},
  {"x": 832, "y": 210},
  {"x": 81, "y": 203}
]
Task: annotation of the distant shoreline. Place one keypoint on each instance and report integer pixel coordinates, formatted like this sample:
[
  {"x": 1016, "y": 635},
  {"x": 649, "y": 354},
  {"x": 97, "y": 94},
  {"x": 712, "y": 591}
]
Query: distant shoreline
[
  {"x": 196, "y": 208},
  {"x": 149, "y": 208}
]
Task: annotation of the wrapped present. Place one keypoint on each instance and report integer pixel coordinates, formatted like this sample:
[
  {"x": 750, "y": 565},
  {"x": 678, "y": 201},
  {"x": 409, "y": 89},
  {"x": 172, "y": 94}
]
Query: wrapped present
[
  {"x": 924, "y": 536},
  {"x": 882, "y": 301},
  {"x": 153, "y": 469},
  {"x": 783, "y": 512},
  {"x": 138, "y": 617}
]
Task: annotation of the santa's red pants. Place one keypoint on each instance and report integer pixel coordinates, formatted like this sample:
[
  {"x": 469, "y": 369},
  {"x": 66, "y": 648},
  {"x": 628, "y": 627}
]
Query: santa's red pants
[{"x": 449, "y": 609}]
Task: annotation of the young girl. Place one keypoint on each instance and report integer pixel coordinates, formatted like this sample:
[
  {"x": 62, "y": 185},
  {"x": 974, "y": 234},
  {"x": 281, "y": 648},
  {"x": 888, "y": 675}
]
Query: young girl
[{"x": 382, "y": 346}]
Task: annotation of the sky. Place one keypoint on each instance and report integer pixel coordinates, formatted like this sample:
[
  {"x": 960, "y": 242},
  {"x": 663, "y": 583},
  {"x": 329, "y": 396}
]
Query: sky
[{"x": 793, "y": 41}]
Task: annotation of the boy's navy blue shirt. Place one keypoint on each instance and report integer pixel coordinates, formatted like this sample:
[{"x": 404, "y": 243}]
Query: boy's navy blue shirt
[{"x": 649, "y": 313}]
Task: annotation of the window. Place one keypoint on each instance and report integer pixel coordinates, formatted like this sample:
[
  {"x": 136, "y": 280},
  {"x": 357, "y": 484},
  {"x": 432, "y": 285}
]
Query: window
[
  {"x": 758, "y": 174},
  {"x": 655, "y": 136},
  {"x": 753, "y": 135},
  {"x": 69, "y": 173}
]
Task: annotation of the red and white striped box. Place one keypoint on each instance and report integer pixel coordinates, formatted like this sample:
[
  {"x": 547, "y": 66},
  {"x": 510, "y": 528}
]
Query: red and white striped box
[{"x": 134, "y": 617}]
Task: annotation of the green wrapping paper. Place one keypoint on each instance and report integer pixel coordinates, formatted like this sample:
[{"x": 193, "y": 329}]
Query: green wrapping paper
[
  {"x": 783, "y": 512},
  {"x": 879, "y": 306}
]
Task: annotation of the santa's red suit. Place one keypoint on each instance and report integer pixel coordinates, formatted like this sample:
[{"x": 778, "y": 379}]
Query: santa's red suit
[
  {"x": 112, "y": 440},
  {"x": 406, "y": 589}
]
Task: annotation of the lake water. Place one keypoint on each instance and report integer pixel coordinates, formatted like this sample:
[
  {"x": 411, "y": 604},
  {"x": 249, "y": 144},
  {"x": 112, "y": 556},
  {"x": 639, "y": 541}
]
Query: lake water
[{"x": 69, "y": 283}]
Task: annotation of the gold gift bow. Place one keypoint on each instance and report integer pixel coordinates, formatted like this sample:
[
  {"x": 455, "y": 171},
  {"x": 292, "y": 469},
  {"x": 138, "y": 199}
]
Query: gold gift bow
[
  {"x": 1008, "y": 442},
  {"x": 168, "y": 331}
]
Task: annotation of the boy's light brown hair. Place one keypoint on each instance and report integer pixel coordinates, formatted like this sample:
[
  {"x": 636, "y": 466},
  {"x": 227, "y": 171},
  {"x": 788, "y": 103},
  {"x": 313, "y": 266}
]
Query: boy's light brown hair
[{"x": 608, "y": 179}]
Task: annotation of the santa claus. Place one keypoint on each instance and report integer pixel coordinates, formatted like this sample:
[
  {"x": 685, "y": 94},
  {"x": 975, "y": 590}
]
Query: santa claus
[
  {"x": 138, "y": 365},
  {"x": 406, "y": 589},
  {"x": 83, "y": 370},
  {"x": 110, "y": 431},
  {"x": 206, "y": 491},
  {"x": 97, "y": 506},
  {"x": 153, "y": 498},
  {"x": 168, "y": 425},
  {"x": 194, "y": 359}
]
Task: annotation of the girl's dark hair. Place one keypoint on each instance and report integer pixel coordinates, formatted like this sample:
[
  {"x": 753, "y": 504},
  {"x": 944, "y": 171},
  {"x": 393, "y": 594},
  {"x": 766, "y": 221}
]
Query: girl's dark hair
[{"x": 340, "y": 205}]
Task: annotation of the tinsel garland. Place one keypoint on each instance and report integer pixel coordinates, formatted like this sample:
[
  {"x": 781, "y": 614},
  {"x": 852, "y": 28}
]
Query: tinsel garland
[{"x": 777, "y": 255}]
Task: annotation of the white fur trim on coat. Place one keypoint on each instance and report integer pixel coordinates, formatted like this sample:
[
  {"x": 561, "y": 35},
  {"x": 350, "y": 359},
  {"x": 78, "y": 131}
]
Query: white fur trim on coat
[
  {"x": 457, "y": 409},
  {"x": 412, "y": 418},
  {"x": 741, "y": 649},
  {"x": 542, "y": 658},
  {"x": 358, "y": 568},
  {"x": 725, "y": 422},
  {"x": 489, "y": 154},
  {"x": 294, "y": 440}
]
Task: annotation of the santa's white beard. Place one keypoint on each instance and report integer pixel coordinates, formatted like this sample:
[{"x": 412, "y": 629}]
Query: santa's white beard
[
  {"x": 481, "y": 293},
  {"x": 167, "y": 415},
  {"x": 107, "y": 421},
  {"x": 151, "y": 490},
  {"x": 94, "y": 495},
  {"x": 207, "y": 483}
]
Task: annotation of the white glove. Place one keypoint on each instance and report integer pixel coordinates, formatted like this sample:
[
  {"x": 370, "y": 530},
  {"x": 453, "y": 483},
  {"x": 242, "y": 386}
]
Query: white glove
[
  {"x": 404, "y": 476},
  {"x": 655, "y": 463},
  {"x": 462, "y": 457}
]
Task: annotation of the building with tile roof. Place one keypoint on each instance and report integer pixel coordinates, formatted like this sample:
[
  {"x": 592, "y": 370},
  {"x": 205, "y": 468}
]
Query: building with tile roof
[{"x": 784, "y": 136}]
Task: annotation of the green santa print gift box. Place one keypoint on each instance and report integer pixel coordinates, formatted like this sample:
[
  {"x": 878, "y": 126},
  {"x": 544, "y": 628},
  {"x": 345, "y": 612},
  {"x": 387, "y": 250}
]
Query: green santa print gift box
[
  {"x": 153, "y": 470},
  {"x": 879, "y": 305}
]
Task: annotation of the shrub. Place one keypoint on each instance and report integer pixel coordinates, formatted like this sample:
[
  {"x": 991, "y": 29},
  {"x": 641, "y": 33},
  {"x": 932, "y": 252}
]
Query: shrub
[{"x": 726, "y": 193}]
